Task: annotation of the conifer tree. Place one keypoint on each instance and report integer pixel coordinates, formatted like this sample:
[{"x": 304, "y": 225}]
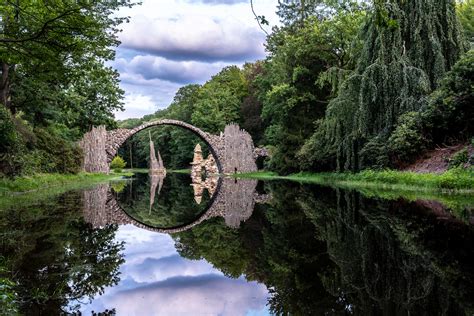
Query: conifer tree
[{"x": 408, "y": 48}]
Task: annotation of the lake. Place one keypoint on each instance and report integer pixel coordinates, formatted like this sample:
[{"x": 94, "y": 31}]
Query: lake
[{"x": 224, "y": 246}]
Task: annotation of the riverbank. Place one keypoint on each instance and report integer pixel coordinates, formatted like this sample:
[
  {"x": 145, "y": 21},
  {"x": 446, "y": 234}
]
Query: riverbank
[
  {"x": 455, "y": 180},
  {"x": 49, "y": 180}
]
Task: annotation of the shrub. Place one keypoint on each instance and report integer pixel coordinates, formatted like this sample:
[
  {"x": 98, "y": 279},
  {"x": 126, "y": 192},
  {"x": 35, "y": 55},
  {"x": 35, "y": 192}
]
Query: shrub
[
  {"x": 407, "y": 141},
  {"x": 459, "y": 159},
  {"x": 118, "y": 164},
  {"x": 57, "y": 154},
  {"x": 448, "y": 117},
  {"x": 8, "y": 135}
]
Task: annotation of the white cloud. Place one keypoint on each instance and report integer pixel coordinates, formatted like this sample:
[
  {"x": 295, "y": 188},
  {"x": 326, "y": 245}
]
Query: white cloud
[
  {"x": 151, "y": 67},
  {"x": 195, "y": 37},
  {"x": 201, "y": 295},
  {"x": 136, "y": 105},
  {"x": 155, "y": 280},
  {"x": 175, "y": 42}
]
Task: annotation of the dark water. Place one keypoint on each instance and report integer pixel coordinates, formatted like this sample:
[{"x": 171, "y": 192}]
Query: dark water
[{"x": 249, "y": 248}]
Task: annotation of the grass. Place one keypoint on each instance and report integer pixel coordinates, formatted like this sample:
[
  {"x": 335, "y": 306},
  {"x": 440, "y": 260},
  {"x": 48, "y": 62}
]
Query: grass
[
  {"x": 454, "y": 188},
  {"x": 46, "y": 181},
  {"x": 28, "y": 190},
  {"x": 459, "y": 180}
]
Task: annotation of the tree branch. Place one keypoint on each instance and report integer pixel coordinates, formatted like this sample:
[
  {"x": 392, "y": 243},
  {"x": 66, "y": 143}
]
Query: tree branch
[
  {"x": 257, "y": 18},
  {"x": 41, "y": 32}
]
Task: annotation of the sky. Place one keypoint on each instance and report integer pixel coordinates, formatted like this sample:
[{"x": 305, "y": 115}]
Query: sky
[
  {"x": 170, "y": 43},
  {"x": 155, "y": 280}
]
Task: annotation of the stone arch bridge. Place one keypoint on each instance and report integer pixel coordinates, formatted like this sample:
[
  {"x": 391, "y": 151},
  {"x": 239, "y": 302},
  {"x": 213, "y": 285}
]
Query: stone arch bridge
[{"x": 233, "y": 149}]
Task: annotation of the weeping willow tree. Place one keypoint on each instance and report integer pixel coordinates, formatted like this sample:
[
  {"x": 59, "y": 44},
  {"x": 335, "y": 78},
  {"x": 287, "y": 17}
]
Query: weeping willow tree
[{"x": 409, "y": 45}]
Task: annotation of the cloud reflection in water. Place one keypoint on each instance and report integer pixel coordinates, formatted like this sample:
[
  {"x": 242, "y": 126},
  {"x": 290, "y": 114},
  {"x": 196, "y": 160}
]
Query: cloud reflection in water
[{"x": 155, "y": 280}]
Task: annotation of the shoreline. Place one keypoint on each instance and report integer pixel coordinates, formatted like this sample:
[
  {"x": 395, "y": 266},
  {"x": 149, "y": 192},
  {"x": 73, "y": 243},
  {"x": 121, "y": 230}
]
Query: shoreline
[{"x": 459, "y": 181}]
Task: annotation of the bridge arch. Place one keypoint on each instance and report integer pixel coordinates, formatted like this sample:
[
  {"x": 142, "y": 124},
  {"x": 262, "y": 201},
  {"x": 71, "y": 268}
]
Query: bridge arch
[
  {"x": 116, "y": 138},
  {"x": 233, "y": 150}
]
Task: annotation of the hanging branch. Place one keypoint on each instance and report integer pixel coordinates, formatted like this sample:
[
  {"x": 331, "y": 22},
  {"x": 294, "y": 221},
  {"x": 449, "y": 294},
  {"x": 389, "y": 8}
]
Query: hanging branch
[{"x": 257, "y": 18}]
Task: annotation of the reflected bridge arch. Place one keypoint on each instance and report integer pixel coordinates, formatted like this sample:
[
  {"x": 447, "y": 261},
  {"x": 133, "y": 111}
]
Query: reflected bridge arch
[{"x": 233, "y": 200}]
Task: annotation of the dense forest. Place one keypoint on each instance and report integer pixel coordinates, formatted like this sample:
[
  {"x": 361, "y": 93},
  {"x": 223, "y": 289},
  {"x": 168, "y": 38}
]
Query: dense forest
[{"x": 346, "y": 85}]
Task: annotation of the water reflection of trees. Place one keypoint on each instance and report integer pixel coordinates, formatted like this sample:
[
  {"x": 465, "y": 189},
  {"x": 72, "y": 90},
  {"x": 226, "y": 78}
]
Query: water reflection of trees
[
  {"x": 174, "y": 205},
  {"x": 55, "y": 258},
  {"x": 324, "y": 251}
]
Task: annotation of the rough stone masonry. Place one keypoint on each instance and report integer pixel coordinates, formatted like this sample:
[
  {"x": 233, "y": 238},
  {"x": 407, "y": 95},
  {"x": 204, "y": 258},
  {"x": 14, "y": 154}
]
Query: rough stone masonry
[{"x": 233, "y": 149}]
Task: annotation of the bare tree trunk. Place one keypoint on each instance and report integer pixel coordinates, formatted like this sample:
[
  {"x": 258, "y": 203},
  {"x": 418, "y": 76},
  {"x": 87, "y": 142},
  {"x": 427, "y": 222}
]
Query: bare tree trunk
[
  {"x": 131, "y": 160},
  {"x": 5, "y": 84}
]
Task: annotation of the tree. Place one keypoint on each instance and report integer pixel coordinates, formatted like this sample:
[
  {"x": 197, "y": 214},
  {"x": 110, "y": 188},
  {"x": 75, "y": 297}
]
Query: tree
[
  {"x": 118, "y": 164},
  {"x": 302, "y": 72},
  {"x": 219, "y": 100},
  {"x": 50, "y": 46},
  {"x": 448, "y": 117},
  {"x": 405, "y": 57},
  {"x": 465, "y": 10}
]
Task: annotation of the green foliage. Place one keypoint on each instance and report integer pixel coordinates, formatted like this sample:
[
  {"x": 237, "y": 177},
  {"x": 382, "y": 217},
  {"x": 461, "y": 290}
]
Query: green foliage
[
  {"x": 447, "y": 118},
  {"x": 400, "y": 64},
  {"x": 465, "y": 11},
  {"x": 54, "y": 78},
  {"x": 456, "y": 179},
  {"x": 118, "y": 164},
  {"x": 406, "y": 142},
  {"x": 38, "y": 150},
  {"x": 8, "y": 296},
  {"x": 219, "y": 100},
  {"x": 459, "y": 159},
  {"x": 300, "y": 75},
  {"x": 47, "y": 181}
]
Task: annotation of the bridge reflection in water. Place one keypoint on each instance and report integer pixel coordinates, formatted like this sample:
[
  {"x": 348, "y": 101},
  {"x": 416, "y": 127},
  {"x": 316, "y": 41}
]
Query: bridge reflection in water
[{"x": 233, "y": 199}]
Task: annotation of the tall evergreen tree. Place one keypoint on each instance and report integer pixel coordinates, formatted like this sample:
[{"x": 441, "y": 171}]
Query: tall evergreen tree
[{"x": 408, "y": 48}]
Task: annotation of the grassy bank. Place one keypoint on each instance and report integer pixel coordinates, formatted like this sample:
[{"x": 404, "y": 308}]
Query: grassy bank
[
  {"x": 459, "y": 180},
  {"x": 46, "y": 181}
]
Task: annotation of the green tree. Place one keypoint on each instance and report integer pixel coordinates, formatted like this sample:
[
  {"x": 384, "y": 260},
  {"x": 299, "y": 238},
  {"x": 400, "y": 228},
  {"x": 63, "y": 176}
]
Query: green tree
[
  {"x": 302, "y": 72},
  {"x": 404, "y": 58},
  {"x": 465, "y": 10},
  {"x": 47, "y": 47},
  {"x": 118, "y": 164},
  {"x": 448, "y": 117},
  {"x": 219, "y": 100}
]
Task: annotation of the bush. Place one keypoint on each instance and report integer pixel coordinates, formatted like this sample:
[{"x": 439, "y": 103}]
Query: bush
[
  {"x": 8, "y": 135},
  {"x": 56, "y": 154},
  {"x": 447, "y": 119},
  {"x": 407, "y": 141},
  {"x": 118, "y": 164},
  {"x": 38, "y": 150},
  {"x": 459, "y": 159}
]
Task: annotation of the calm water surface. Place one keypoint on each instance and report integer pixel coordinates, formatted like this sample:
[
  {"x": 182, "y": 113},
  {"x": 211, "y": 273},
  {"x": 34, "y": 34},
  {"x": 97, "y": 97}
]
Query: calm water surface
[{"x": 165, "y": 246}]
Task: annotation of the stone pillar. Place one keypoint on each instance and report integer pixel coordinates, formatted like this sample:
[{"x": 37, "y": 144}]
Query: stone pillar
[
  {"x": 93, "y": 145},
  {"x": 238, "y": 151}
]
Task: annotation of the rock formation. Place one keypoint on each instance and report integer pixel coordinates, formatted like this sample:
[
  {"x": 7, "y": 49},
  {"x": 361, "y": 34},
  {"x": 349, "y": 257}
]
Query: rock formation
[{"x": 156, "y": 165}]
